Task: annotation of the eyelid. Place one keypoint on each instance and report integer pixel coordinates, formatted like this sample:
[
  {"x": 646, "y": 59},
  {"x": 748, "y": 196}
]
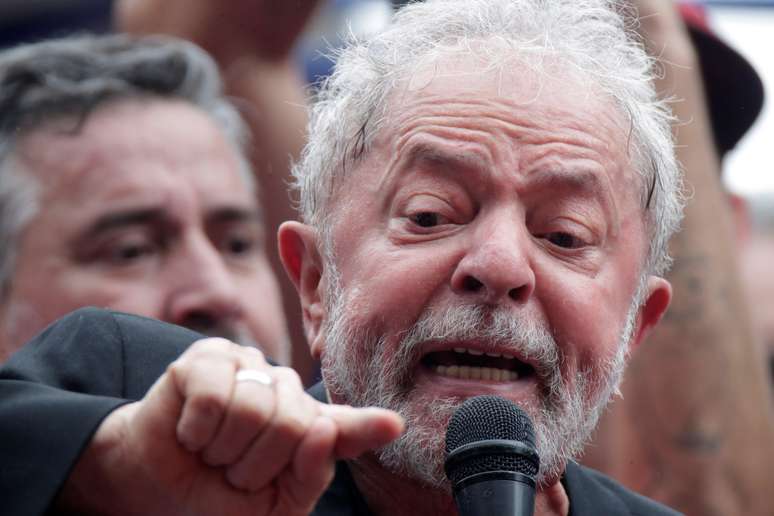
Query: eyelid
[
  {"x": 242, "y": 229},
  {"x": 90, "y": 247},
  {"x": 585, "y": 235},
  {"x": 426, "y": 198},
  {"x": 566, "y": 224}
]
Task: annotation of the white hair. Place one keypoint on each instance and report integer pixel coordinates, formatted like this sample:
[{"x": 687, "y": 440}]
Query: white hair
[{"x": 591, "y": 37}]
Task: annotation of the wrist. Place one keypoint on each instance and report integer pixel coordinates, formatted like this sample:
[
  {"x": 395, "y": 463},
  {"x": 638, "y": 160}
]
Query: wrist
[{"x": 90, "y": 488}]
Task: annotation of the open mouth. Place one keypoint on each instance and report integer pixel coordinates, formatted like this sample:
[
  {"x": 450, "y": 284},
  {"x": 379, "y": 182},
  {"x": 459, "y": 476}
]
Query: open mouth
[{"x": 473, "y": 364}]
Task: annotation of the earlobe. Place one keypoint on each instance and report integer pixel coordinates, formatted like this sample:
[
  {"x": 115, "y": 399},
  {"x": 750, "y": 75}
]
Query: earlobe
[
  {"x": 300, "y": 255},
  {"x": 656, "y": 303}
]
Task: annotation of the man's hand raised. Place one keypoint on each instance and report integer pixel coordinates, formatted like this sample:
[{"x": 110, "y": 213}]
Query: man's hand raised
[
  {"x": 221, "y": 432},
  {"x": 265, "y": 29}
]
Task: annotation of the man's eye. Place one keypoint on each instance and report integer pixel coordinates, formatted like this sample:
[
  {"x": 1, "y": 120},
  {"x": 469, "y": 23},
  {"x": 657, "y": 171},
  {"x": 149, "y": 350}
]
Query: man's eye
[
  {"x": 564, "y": 240},
  {"x": 426, "y": 219},
  {"x": 127, "y": 254},
  {"x": 239, "y": 245}
]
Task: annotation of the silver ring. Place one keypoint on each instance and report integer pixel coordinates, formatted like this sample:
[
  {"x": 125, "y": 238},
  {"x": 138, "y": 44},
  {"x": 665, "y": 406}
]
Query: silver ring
[{"x": 253, "y": 375}]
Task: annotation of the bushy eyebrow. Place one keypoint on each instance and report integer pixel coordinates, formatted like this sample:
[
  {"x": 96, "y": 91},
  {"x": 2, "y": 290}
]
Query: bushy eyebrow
[
  {"x": 584, "y": 181},
  {"x": 157, "y": 216},
  {"x": 437, "y": 155},
  {"x": 132, "y": 217}
]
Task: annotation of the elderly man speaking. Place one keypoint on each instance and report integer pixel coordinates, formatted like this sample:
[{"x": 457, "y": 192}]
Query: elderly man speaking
[{"x": 488, "y": 191}]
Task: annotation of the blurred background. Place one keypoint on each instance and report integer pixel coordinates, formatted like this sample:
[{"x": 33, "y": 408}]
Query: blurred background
[{"x": 747, "y": 26}]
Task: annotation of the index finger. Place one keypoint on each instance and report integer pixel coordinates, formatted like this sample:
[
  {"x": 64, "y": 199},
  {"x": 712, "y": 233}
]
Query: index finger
[{"x": 362, "y": 429}]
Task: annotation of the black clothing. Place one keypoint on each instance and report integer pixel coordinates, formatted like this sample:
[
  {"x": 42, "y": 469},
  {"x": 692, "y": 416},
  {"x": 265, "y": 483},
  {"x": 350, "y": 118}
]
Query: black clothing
[
  {"x": 56, "y": 390},
  {"x": 45, "y": 417},
  {"x": 590, "y": 492}
]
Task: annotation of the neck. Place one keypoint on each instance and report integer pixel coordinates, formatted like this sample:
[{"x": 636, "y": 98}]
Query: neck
[{"x": 387, "y": 493}]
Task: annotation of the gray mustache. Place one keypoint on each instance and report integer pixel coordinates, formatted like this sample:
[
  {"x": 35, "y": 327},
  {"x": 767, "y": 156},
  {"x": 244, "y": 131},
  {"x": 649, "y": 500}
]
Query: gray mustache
[{"x": 496, "y": 327}]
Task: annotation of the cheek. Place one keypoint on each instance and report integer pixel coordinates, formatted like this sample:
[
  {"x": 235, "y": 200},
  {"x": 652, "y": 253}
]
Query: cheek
[
  {"x": 82, "y": 287},
  {"x": 585, "y": 314},
  {"x": 261, "y": 302},
  {"x": 387, "y": 288},
  {"x": 35, "y": 304}
]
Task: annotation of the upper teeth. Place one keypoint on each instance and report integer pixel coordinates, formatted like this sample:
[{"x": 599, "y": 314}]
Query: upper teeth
[
  {"x": 478, "y": 352},
  {"x": 477, "y": 373}
]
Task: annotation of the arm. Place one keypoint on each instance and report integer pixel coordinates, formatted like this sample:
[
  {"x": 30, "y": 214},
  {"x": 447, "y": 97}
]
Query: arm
[
  {"x": 54, "y": 393},
  {"x": 252, "y": 42},
  {"x": 202, "y": 442},
  {"x": 694, "y": 427},
  {"x": 199, "y": 441}
]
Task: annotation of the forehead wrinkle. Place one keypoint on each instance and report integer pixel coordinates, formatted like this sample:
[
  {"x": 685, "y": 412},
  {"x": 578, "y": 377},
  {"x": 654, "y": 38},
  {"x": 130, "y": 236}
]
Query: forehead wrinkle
[
  {"x": 571, "y": 131},
  {"x": 472, "y": 111},
  {"x": 530, "y": 134},
  {"x": 422, "y": 138},
  {"x": 433, "y": 144},
  {"x": 485, "y": 123}
]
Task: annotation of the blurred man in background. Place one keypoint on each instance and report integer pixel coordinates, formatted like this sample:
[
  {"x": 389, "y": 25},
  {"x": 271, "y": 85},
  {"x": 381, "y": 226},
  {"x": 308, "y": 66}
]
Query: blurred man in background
[
  {"x": 253, "y": 42},
  {"x": 124, "y": 184},
  {"x": 260, "y": 73}
]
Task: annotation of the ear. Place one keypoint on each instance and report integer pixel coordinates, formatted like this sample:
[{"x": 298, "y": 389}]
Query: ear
[
  {"x": 299, "y": 252},
  {"x": 655, "y": 305}
]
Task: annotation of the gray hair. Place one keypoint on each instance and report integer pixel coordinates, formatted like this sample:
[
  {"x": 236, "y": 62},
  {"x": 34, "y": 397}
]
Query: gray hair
[
  {"x": 592, "y": 36},
  {"x": 72, "y": 77}
]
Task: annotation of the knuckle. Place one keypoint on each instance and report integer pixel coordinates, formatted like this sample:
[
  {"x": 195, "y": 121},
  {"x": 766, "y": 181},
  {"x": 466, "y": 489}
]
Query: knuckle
[
  {"x": 290, "y": 425},
  {"x": 239, "y": 480},
  {"x": 210, "y": 348},
  {"x": 253, "y": 353},
  {"x": 176, "y": 368},
  {"x": 249, "y": 414},
  {"x": 287, "y": 375},
  {"x": 208, "y": 403}
]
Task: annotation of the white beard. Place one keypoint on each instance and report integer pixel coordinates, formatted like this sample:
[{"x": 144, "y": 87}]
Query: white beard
[{"x": 358, "y": 370}]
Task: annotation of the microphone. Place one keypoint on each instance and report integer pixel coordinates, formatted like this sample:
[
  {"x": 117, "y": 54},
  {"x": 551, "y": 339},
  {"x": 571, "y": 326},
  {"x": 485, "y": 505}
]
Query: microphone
[{"x": 491, "y": 459}]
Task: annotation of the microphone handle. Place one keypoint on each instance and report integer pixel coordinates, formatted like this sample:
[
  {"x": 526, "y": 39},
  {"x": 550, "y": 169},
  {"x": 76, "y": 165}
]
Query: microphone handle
[{"x": 496, "y": 493}]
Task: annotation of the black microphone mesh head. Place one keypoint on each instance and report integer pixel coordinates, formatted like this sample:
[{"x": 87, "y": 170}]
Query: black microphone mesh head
[{"x": 486, "y": 418}]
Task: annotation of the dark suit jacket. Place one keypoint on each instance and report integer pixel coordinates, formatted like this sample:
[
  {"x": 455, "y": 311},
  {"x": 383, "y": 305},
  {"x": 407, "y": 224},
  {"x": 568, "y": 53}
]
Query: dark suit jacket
[
  {"x": 58, "y": 388},
  {"x": 105, "y": 357}
]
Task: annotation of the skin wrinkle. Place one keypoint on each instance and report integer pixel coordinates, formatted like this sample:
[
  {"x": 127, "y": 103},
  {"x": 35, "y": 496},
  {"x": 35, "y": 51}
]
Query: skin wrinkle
[
  {"x": 372, "y": 259},
  {"x": 417, "y": 143},
  {"x": 503, "y": 113}
]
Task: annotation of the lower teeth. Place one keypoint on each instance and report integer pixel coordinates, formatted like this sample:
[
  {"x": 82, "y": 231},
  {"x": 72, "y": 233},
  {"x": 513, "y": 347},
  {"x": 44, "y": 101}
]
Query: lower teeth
[{"x": 477, "y": 373}]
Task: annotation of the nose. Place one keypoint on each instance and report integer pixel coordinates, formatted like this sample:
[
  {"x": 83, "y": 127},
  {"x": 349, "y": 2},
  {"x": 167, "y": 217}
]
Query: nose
[
  {"x": 204, "y": 294},
  {"x": 496, "y": 267}
]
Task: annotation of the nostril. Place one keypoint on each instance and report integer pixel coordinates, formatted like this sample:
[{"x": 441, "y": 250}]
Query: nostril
[
  {"x": 200, "y": 321},
  {"x": 471, "y": 284},
  {"x": 516, "y": 293}
]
